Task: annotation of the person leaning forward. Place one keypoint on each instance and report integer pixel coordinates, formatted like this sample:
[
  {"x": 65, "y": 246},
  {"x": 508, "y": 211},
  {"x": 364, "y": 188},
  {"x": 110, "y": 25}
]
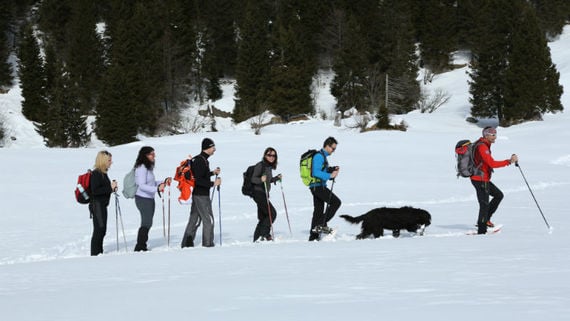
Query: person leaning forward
[
  {"x": 485, "y": 163},
  {"x": 321, "y": 173}
]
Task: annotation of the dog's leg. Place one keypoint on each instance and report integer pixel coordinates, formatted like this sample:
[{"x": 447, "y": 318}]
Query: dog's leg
[
  {"x": 396, "y": 233},
  {"x": 422, "y": 229}
]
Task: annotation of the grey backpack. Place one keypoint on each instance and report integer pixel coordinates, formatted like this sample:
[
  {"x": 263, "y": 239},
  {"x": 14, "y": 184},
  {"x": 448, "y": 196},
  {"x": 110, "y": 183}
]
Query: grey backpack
[
  {"x": 129, "y": 185},
  {"x": 465, "y": 156}
]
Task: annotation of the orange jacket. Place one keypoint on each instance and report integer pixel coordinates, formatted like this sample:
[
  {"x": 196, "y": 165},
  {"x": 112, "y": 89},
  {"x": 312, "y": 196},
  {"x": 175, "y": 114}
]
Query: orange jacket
[{"x": 486, "y": 162}]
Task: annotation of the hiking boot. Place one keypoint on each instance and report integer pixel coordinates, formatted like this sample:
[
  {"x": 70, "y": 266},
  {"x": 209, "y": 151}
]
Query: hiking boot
[
  {"x": 323, "y": 229},
  {"x": 314, "y": 237},
  {"x": 490, "y": 224}
]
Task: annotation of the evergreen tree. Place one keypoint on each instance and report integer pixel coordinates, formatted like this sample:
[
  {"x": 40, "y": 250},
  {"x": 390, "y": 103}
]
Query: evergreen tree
[
  {"x": 531, "y": 80},
  {"x": 85, "y": 58},
  {"x": 436, "y": 32},
  {"x": 116, "y": 121},
  {"x": 552, "y": 15},
  {"x": 350, "y": 65},
  {"x": 180, "y": 53},
  {"x": 512, "y": 76},
  {"x": 32, "y": 76},
  {"x": 55, "y": 16},
  {"x": 490, "y": 59},
  {"x": 63, "y": 125},
  {"x": 290, "y": 84},
  {"x": 252, "y": 68},
  {"x": 398, "y": 57},
  {"x": 5, "y": 69},
  {"x": 130, "y": 102}
]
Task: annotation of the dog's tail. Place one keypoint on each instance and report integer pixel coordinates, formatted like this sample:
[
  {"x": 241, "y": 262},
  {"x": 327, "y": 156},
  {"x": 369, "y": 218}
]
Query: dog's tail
[{"x": 353, "y": 220}]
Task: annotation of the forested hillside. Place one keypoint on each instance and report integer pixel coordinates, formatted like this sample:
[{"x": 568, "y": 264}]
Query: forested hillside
[{"x": 135, "y": 65}]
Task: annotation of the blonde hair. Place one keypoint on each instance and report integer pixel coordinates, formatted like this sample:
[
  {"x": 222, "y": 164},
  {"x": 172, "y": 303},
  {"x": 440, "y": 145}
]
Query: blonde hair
[{"x": 102, "y": 161}]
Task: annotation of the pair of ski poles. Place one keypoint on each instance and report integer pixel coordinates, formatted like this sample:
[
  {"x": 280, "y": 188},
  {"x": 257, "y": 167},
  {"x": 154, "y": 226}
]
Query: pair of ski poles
[
  {"x": 164, "y": 230},
  {"x": 269, "y": 209},
  {"x": 119, "y": 216},
  {"x": 219, "y": 207}
]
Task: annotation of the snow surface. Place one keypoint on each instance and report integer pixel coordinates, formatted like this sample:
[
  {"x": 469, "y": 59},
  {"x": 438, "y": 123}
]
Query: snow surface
[{"x": 522, "y": 273}]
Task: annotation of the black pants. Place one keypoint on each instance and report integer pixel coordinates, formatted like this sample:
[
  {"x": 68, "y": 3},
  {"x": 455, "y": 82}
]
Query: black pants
[
  {"x": 99, "y": 213},
  {"x": 322, "y": 195},
  {"x": 263, "y": 228},
  {"x": 486, "y": 208}
]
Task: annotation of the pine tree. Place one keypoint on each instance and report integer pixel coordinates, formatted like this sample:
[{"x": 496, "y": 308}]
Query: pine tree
[
  {"x": 531, "y": 86},
  {"x": 32, "y": 76},
  {"x": 64, "y": 125},
  {"x": 5, "y": 69},
  {"x": 55, "y": 17},
  {"x": 252, "y": 68},
  {"x": 490, "y": 59},
  {"x": 552, "y": 15},
  {"x": 350, "y": 65},
  {"x": 290, "y": 84},
  {"x": 130, "y": 102},
  {"x": 436, "y": 32},
  {"x": 398, "y": 57},
  {"x": 85, "y": 58},
  {"x": 512, "y": 78}
]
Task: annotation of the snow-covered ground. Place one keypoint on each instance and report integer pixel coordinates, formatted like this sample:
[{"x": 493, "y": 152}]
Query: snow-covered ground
[{"x": 522, "y": 273}]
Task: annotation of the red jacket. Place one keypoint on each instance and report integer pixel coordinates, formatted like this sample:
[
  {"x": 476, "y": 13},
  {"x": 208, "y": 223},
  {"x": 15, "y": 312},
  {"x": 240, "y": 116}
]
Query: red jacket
[{"x": 486, "y": 162}]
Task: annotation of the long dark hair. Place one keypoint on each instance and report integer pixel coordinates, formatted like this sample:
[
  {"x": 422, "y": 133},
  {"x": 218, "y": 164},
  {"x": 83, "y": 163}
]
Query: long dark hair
[
  {"x": 267, "y": 151},
  {"x": 143, "y": 160}
]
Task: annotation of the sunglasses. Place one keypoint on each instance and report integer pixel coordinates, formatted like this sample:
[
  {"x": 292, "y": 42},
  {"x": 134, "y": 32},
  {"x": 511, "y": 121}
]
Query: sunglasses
[{"x": 271, "y": 155}]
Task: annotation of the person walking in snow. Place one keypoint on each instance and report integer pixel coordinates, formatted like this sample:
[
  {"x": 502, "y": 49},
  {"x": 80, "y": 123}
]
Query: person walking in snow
[
  {"x": 147, "y": 186},
  {"x": 101, "y": 189},
  {"x": 201, "y": 209},
  {"x": 321, "y": 173},
  {"x": 261, "y": 179},
  {"x": 485, "y": 163}
]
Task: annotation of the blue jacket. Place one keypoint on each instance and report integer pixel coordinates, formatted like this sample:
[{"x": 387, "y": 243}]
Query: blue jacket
[{"x": 320, "y": 168}]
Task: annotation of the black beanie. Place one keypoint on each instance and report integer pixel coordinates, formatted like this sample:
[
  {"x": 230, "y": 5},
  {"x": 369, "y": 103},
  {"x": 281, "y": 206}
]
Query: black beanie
[{"x": 207, "y": 143}]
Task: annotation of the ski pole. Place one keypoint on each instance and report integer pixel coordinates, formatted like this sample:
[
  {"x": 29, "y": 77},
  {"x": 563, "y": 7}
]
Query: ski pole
[
  {"x": 531, "y": 193},
  {"x": 285, "y": 204},
  {"x": 220, "y": 214},
  {"x": 117, "y": 219},
  {"x": 118, "y": 210},
  {"x": 213, "y": 191},
  {"x": 163, "y": 219},
  {"x": 269, "y": 210},
  {"x": 168, "y": 240}
]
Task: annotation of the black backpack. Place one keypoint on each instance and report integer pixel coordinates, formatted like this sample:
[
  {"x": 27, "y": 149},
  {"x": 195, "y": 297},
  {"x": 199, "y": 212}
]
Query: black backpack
[{"x": 247, "y": 186}]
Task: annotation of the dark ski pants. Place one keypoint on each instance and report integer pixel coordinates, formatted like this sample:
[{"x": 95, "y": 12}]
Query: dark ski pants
[
  {"x": 99, "y": 214},
  {"x": 322, "y": 195},
  {"x": 201, "y": 210},
  {"x": 146, "y": 208},
  {"x": 263, "y": 228},
  {"x": 486, "y": 208}
]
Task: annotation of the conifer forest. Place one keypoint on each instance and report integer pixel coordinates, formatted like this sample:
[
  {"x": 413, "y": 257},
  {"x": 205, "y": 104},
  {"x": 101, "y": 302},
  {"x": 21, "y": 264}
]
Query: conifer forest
[{"x": 134, "y": 65}]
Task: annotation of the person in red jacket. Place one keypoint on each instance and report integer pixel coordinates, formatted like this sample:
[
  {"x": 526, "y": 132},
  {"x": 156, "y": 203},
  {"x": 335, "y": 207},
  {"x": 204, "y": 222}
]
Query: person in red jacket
[{"x": 481, "y": 180}]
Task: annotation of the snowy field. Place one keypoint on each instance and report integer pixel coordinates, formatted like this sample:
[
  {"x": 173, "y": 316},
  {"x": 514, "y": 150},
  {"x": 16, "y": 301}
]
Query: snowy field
[{"x": 520, "y": 274}]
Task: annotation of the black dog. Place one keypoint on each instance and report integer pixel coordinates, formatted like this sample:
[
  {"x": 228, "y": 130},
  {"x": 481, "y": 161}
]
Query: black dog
[{"x": 375, "y": 221}]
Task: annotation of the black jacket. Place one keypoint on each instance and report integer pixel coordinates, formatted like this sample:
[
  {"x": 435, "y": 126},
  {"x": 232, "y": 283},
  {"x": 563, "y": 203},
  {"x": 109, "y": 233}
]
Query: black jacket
[
  {"x": 100, "y": 187},
  {"x": 202, "y": 174}
]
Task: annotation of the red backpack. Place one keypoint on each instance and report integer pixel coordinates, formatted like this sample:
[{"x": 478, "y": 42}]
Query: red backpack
[
  {"x": 83, "y": 188},
  {"x": 185, "y": 179}
]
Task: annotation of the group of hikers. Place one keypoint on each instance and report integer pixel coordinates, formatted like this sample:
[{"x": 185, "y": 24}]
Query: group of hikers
[{"x": 201, "y": 209}]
